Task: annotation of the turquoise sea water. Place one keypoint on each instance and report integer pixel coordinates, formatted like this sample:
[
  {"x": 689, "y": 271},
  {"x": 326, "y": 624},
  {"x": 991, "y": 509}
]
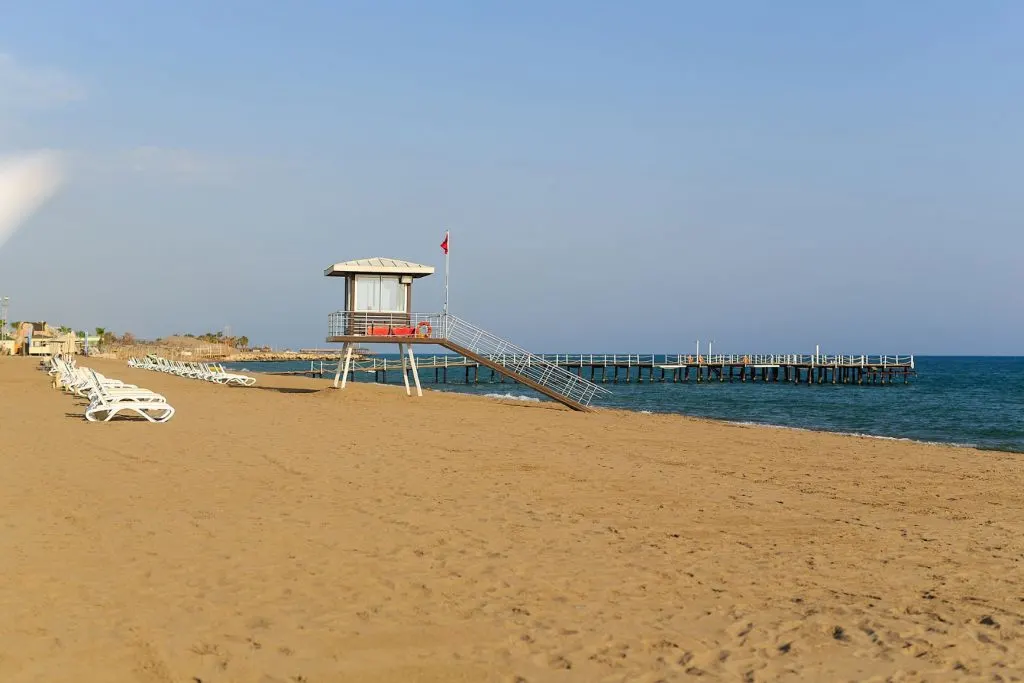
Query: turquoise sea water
[{"x": 975, "y": 401}]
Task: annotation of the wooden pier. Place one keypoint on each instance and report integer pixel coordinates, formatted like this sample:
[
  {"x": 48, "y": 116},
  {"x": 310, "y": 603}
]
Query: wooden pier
[{"x": 807, "y": 369}]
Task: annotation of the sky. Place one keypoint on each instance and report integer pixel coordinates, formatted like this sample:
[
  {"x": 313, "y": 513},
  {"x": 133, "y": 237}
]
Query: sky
[{"x": 616, "y": 177}]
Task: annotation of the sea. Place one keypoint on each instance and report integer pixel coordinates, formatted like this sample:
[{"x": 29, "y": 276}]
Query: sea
[{"x": 958, "y": 400}]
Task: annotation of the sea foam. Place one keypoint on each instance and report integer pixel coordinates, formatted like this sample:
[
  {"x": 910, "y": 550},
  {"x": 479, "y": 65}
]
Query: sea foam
[
  {"x": 514, "y": 397},
  {"x": 862, "y": 435}
]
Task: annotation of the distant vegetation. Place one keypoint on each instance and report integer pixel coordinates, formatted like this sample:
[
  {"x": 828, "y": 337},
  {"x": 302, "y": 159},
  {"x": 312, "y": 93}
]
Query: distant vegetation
[
  {"x": 108, "y": 337},
  {"x": 127, "y": 338},
  {"x": 241, "y": 342}
]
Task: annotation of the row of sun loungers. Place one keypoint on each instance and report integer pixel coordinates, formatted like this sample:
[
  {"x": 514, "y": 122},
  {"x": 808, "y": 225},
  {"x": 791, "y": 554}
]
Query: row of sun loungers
[
  {"x": 107, "y": 397},
  {"x": 209, "y": 372}
]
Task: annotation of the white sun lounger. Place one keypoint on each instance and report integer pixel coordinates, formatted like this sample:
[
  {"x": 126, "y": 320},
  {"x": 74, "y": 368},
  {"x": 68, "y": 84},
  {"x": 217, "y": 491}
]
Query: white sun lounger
[
  {"x": 221, "y": 376},
  {"x": 107, "y": 403},
  {"x": 208, "y": 372}
]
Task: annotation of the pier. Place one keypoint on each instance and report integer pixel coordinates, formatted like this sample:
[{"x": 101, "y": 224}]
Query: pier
[
  {"x": 378, "y": 300},
  {"x": 807, "y": 369}
]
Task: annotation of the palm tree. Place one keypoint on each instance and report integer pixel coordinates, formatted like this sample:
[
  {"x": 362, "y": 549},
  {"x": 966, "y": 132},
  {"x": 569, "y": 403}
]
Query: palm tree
[
  {"x": 100, "y": 332},
  {"x": 64, "y": 329}
]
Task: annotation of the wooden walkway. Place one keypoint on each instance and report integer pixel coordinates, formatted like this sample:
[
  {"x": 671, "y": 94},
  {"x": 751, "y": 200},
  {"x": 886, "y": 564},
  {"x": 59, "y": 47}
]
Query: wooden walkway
[{"x": 657, "y": 368}]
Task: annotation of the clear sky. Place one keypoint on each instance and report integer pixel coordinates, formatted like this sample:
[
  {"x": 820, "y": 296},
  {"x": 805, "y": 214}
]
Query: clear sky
[{"x": 617, "y": 176}]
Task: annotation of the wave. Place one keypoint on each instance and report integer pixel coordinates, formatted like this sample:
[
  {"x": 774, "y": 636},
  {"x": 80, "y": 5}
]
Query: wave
[
  {"x": 858, "y": 434},
  {"x": 513, "y": 397},
  {"x": 815, "y": 430}
]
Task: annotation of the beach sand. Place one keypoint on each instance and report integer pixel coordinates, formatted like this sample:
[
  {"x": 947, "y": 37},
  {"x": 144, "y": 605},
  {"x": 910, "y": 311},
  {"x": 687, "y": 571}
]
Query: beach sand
[{"x": 295, "y": 533}]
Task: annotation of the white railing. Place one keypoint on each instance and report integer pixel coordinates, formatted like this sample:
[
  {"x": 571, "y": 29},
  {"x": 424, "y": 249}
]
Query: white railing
[
  {"x": 788, "y": 359},
  {"x": 370, "y": 325},
  {"x": 645, "y": 360},
  {"x": 520, "y": 361},
  {"x": 585, "y": 360},
  {"x": 658, "y": 360}
]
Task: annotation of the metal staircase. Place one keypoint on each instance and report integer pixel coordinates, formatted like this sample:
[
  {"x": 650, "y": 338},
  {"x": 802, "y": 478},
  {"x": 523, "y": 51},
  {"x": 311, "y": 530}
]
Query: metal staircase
[{"x": 530, "y": 369}]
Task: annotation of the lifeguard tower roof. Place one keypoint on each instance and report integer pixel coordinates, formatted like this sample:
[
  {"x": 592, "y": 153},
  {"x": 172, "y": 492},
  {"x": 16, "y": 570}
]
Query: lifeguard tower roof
[{"x": 379, "y": 266}]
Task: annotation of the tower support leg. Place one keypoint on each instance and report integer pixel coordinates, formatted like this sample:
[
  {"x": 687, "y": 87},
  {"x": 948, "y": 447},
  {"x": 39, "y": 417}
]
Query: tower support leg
[
  {"x": 405, "y": 369},
  {"x": 342, "y": 375},
  {"x": 415, "y": 371}
]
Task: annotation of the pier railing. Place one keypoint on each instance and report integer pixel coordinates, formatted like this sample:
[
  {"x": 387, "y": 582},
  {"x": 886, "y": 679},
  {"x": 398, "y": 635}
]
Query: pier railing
[
  {"x": 636, "y": 360},
  {"x": 758, "y": 359},
  {"x": 810, "y": 359},
  {"x": 438, "y": 326}
]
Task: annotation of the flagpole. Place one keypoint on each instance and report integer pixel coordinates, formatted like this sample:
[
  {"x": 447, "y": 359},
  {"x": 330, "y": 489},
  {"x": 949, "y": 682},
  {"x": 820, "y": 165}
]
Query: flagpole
[{"x": 447, "y": 248}]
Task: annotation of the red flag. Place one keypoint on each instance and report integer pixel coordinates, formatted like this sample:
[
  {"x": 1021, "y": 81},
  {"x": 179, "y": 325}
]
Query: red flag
[{"x": 444, "y": 245}]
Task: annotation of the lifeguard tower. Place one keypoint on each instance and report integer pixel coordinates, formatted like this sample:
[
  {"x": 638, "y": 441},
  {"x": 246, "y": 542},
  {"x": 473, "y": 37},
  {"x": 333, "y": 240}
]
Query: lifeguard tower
[
  {"x": 378, "y": 301},
  {"x": 378, "y": 310}
]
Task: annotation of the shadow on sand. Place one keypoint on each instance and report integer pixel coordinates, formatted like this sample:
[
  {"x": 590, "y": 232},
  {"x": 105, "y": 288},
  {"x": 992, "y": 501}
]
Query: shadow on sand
[{"x": 286, "y": 390}]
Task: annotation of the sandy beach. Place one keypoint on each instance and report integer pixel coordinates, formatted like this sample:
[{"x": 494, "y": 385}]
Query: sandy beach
[{"x": 294, "y": 533}]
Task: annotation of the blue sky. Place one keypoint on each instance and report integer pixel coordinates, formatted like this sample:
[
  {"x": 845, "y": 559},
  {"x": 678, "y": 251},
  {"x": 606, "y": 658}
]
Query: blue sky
[{"x": 616, "y": 176}]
